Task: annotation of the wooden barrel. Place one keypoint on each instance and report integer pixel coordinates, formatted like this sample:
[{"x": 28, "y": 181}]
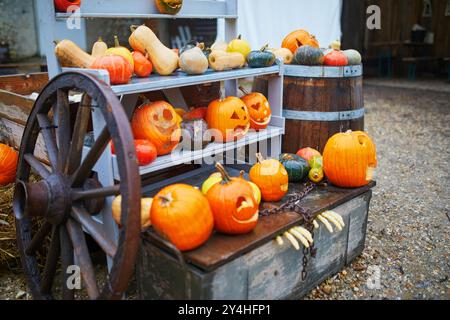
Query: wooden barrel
[{"x": 319, "y": 102}]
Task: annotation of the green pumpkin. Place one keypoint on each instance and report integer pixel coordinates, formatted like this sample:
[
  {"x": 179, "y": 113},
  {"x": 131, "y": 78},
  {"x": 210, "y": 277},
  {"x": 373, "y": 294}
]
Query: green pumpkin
[
  {"x": 308, "y": 56},
  {"x": 261, "y": 58},
  {"x": 296, "y": 166}
]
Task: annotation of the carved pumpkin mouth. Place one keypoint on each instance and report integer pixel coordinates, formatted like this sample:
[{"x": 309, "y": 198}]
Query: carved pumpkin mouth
[{"x": 245, "y": 208}]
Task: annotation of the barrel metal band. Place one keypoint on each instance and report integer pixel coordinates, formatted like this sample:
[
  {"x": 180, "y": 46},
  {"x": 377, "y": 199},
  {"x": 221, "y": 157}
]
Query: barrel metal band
[
  {"x": 322, "y": 71},
  {"x": 323, "y": 116}
]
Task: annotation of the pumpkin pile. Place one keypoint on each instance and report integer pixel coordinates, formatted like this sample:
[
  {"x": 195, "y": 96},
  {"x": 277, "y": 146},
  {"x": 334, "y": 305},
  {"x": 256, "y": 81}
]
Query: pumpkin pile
[{"x": 306, "y": 51}]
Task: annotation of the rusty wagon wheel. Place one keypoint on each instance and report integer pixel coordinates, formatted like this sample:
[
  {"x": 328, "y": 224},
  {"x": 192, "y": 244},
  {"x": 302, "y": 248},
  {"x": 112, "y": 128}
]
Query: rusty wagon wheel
[{"x": 68, "y": 195}]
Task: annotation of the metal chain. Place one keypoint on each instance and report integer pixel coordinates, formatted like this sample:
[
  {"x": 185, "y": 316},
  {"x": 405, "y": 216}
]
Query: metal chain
[{"x": 293, "y": 205}]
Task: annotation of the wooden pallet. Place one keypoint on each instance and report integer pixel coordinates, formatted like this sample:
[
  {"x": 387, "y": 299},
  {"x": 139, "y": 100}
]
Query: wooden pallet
[{"x": 253, "y": 266}]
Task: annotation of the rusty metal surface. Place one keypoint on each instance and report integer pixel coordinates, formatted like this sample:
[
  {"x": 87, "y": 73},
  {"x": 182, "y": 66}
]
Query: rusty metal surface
[
  {"x": 56, "y": 205},
  {"x": 220, "y": 249}
]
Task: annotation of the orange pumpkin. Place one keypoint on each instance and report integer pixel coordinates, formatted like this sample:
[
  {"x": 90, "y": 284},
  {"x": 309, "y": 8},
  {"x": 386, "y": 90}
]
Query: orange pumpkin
[
  {"x": 157, "y": 122},
  {"x": 298, "y": 38},
  {"x": 64, "y": 5},
  {"x": 8, "y": 164},
  {"x": 118, "y": 67},
  {"x": 142, "y": 65},
  {"x": 349, "y": 159},
  {"x": 271, "y": 177},
  {"x": 229, "y": 117},
  {"x": 233, "y": 204},
  {"x": 183, "y": 215},
  {"x": 258, "y": 109}
]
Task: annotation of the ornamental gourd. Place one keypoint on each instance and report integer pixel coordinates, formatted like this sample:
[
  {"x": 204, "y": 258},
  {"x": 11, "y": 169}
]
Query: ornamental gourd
[
  {"x": 308, "y": 56},
  {"x": 308, "y": 153},
  {"x": 157, "y": 122},
  {"x": 260, "y": 59},
  {"x": 118, "y": 50},
  {"x": 284, "y": 54},
  {"x": 143, "y": 67},
  {"x": 335, "y": 59},
  {"x": 99, "y": 48},
  {"x": 233, "y": 204},
  {"x": 299, "y": 38},
  {"x": 169, "y": 6},
  {"x": 72, "y": 56},
  {"x": 222, "y": 60},
  {"x": 63, "y": 5},
  {"x": 271, "y": 177},
  {"x": 230, "y": 119},
  {"x": 146, "y": 151},
  {"x": 258, "y": 109},
  {"x": 165, "y": 60},
  {"x": 118, "y": 67},
  {"x": 349, "y": 159},
  {"x": 296, "y": 167},
  {"x": 193, "y": 61},
  {"x": 239, "y": 45},
  {"x": 146, "y": 206},
  {"x": 182, "y": 214},
  {"x": 8, "y": 164},
  {"x": 353, "y": 57}
]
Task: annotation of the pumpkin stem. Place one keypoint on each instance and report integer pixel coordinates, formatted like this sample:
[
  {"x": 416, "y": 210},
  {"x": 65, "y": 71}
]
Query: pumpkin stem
[
  {"x": 144, "y": 99},
  {"x": 264, "y": 47},
  {"x": 241, "y": 174},
  {"x": 239, "y": 37},
  {"x": 56, "y": 42},
  {"x": 259, "y": 157},
  {"x": 133, "y": 27},
  {"x": 116, "y": 41},
  {"x": 201, "y": 45},
  {"x": 166, "y": 199},
  {"x": 225, "y": 176},
  {"x": 243, "y": 90},
  {"x": 100, "y": 39}
]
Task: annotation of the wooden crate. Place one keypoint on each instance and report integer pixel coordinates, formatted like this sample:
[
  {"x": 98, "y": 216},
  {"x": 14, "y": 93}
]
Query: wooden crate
[{"x": 253, "y": 266}]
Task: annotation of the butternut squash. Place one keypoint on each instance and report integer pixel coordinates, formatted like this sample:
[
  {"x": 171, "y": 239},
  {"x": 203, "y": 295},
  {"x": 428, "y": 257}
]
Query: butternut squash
[
  {"x": 165, "y": 60},
  {"x": 221, "y": 60},
  {"x": 220, "y": 45},
  {"x": 99, "y": 48},
  {"x": 193, "y": 61},
  {"x": 72, "y": 56}
]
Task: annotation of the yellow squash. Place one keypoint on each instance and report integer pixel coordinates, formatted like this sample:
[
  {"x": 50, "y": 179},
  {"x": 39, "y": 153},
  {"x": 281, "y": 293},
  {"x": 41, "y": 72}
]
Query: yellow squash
[
  {"x": 121, "y": 51},
  {"x": 165, "y": 60},
  {"x": 239, "y": 45},
  {"x": 146, "y": 206}
]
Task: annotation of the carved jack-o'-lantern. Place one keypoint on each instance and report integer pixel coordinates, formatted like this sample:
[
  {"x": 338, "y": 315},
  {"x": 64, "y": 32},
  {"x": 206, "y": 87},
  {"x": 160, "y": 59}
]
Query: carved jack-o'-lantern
[
  {"x": 229, "y": 117},
  {"x": 258, "y": 108},
  {"x": 157, "y": 122}
]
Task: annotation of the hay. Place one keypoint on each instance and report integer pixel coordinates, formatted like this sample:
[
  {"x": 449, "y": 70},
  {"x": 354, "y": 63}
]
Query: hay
[{"x": 9, "y": 256}]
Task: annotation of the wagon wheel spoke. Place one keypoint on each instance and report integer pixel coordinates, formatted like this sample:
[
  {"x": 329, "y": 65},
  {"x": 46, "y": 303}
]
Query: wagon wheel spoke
[
  {"x": 51, "y": 262},
  {"x": 38, "y": 238},
  {"x": 95, "y": 193},
  {"x": 63, "y": 132},
  {"x": 49, "y": 139},
  {"x": 36, "y": 165},
  {"x": 79, "y": 132},
  {"x": 83, "y": 171},
  {"x": 84, "y": 260},
  {"x": 66, "y": 261},
  {"x": 95, "y": 229}
]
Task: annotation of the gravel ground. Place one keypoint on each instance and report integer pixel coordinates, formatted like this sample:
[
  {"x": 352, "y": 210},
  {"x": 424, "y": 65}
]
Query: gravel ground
[{"x": 408, "y": 231}]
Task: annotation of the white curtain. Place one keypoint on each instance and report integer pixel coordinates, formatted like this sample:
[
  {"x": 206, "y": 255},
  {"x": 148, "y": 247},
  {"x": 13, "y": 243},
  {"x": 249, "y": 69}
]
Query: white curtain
[{"x": 269, "y": 21}]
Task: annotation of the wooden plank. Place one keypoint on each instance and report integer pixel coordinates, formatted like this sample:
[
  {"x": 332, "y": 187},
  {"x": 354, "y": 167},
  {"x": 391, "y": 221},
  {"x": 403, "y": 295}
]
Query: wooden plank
[
  {"x": 24, "y": 84},
  {"x": 15, "y": 107},
  {"x": 220, "y": 249}
]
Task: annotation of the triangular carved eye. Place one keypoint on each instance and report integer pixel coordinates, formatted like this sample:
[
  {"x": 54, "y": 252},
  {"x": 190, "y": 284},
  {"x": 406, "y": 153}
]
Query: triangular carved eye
[
  {"x": 235, "y": 116},
  {"x": 256, "y": 106}
]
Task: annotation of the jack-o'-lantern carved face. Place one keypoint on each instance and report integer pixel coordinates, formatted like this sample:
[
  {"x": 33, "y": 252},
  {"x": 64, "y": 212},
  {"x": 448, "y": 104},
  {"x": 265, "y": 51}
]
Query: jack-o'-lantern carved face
[
  {"x": 230, "y": 117},
  {"x": 258, "y": 108},
  {"x": 233, "y": 204},
  {"x": 157, "y": 122}
]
